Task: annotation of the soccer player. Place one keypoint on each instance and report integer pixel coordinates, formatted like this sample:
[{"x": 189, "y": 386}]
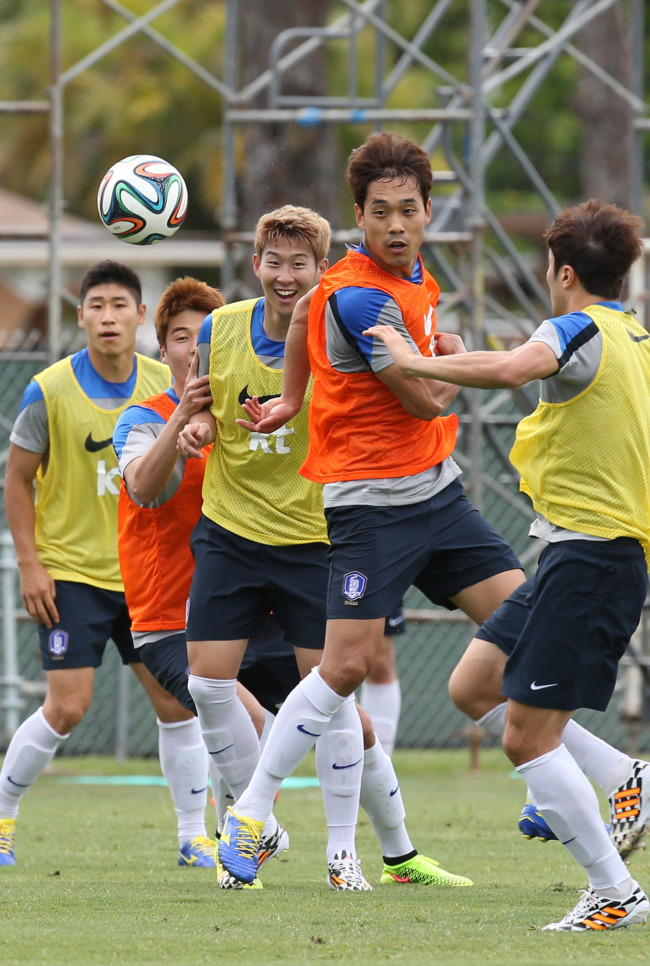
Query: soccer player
[
  {"x": 261, "y": 544},
  {"x": 66, "y": 546},
  {"x": 583, "y": 456},
  {"x": 380, "y": 694},
  {"x": 378, "y": 442},
  {"x": 158, "y": 509}
]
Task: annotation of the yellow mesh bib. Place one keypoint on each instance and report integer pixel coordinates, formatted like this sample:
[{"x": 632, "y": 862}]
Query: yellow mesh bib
[
  {"x": 251, "y": 485},
  {"x": 585, "y": 462},
  {"x": 76, "y": 498}
]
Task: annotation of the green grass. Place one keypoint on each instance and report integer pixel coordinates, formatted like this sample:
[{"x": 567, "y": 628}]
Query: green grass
[{"x": 97, "y": 881}]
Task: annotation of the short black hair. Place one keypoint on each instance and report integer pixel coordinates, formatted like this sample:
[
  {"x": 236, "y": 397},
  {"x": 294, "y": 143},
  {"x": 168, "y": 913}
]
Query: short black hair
[{"x": 109, "y": 272}]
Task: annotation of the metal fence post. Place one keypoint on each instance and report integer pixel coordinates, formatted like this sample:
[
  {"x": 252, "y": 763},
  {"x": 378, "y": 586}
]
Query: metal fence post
[{"x": 10, "y": 700}]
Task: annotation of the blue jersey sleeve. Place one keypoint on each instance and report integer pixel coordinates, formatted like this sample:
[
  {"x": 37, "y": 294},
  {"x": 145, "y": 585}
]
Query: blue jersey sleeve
[
  {"x": 132, "y": 416},
  {"x": 33, "y": 393}
]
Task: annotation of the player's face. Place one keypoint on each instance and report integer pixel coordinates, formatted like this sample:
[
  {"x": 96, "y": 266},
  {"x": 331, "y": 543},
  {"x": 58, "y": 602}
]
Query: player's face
[
  {"x": 110, "y": 316},
  {"x": 180, "y": 343},
  {"x": 393, "y": 220},
  {"x": 287, "y": 270}
]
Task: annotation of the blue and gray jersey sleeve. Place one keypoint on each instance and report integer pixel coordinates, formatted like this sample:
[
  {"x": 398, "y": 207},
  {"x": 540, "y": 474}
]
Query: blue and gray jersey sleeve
[
  {"x": 577, "y": 345},
  {"x": 135, "y": 431},
  {"x": 203, "y": 345},
  {"x": 31, "y": 429},
  {"x": 350, "y": 311}
]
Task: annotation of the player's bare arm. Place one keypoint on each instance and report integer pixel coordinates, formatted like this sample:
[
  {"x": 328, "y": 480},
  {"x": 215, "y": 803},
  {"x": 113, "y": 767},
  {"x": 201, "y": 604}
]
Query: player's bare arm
[
  {"x": 424, "y": 399},
  {"x": 147, "y": 475},
  {"x": 269, "y": 416},
  {"x": 36, "y": 586},
  {"x": 477, "y": 370}
]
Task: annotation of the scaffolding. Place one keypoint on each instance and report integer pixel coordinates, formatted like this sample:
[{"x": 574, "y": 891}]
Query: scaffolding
[{"x": 473, "y": 117}]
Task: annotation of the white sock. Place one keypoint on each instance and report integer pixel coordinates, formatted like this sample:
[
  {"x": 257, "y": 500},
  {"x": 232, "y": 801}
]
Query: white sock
[
  {"x": 268, "y": 724},
  {"x": 302, "y": 719},
  {"x": 228, "y": 732},
  {"x": 381, "y": 799},
  {"x": 383, "y": 703},
  {"x": 184, "y": 764},
  {"x": 339, "y": 764},
  {"x": 569, "y": 804},
  {"x": 32, "y": 748},
  {"x": 223, "y": 800},
  {"x": 605, "y": 765}
]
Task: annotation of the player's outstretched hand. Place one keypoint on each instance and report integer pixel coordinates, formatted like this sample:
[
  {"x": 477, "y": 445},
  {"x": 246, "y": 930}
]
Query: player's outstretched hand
[
  {"x": 396, "y": 344},
  {"x": 193, "y": 438},
  {"x": 268, "y": 416}
]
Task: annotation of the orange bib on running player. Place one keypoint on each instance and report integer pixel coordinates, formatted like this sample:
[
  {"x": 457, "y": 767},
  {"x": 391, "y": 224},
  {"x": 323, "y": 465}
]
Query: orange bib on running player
[
  {"x": 154, "y": 545},
  {"x": 358, "y": 429}
]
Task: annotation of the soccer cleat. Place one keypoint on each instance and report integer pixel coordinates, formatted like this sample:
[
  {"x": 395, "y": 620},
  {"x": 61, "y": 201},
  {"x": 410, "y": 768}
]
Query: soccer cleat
[
  {"x": 629, "y": 809},
  {"x": 344, "y": 874},
  {"x": 228, "y": 881},
  {"x": 7, "y": 836},
  {"x": 239, "y": 845},
  {"x": 533, "y": 825},
  {"x": 272, "y": 845},
  {"x": 594, "y": 912},
  {"x": 421, "y": 870},
  {"x": 199, "y": 853}
]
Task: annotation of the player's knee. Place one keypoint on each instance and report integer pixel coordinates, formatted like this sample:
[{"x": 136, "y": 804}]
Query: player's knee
[
  {"x": 462, "y": 694},
  {"x": 517, "y": 745},
  {"x": 64, "y": 714}
]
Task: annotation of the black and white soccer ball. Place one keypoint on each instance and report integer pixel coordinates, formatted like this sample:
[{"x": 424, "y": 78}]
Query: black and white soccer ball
[{"x": 142, "y": 199}]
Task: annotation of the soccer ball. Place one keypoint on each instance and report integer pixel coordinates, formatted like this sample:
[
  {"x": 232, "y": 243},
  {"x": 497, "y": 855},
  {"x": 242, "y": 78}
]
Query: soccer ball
[{"x": 142, "y": 199}]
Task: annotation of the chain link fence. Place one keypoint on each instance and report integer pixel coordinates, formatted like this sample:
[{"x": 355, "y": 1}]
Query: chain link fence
[{"x": 121, "y": 720}]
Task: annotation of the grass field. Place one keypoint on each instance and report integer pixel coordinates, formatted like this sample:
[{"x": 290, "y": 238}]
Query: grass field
[{"x": 97, "y": 881}]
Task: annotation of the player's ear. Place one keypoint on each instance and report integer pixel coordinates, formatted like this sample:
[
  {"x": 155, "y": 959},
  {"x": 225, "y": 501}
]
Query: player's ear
[
  {"x": 256, "y": 264},
  {"x": 142, "y": 314},
  {"x": 80, "y": 318}
]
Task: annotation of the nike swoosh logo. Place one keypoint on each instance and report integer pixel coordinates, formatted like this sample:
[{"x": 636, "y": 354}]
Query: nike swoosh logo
[
  {"x": 94, "y": 446},
  {"x": 221, "y": 750},
  {"x": 394, "y": 791},
  {"x": 197, "y": 791},
  {"x": 539, "y": 687},
  {"x": 305, "y": 732},
  {"x": 637, "y": 338},
  {"x": 225, "y": 837},
  {"x": 17, "y": 784},
  {"x": 341, "y": 767},
  {"x": 245, "y": 394}
]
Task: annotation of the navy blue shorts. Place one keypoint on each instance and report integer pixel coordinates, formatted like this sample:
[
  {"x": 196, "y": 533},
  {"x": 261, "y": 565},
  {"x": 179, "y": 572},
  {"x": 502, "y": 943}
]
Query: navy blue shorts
[
  {"x": 566, "y": 629},
  {"x": 238, "y": 582},
  {"x": 396, "y": 623},
  {"x": 441, "y": 545},
  {"x": 167, "y": 661},
  {"x": 268, "y": 670},
  {"x": 89, "y": 618}
]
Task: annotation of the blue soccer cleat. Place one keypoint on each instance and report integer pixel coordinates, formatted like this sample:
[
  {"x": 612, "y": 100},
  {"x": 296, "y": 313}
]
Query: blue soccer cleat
[
  {"x": 533, "y": 825},
  {"x": 239, "y": 845},
  {"x": 7, "y": 836},
  {"x": 199, "y": 853}
]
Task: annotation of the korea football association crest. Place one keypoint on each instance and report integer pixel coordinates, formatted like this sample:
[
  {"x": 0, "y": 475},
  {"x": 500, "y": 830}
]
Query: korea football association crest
[
  {"x": 57, "y": 643},
  {"x": 354, "y": 585}
]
